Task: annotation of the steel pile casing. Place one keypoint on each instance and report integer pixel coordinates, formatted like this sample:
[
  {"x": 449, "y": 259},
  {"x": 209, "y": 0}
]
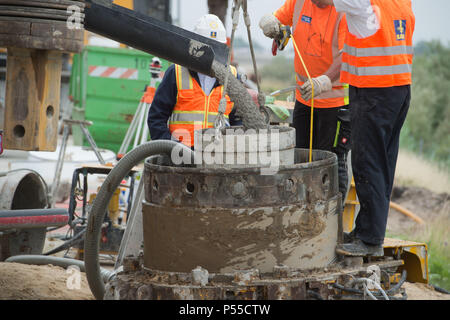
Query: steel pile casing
[
  {"x": 239, "y": 148},
  {"x": 237, "y": 219},
  {"x": 36, "y": 33},
  {"x": 22, "y": 190}
]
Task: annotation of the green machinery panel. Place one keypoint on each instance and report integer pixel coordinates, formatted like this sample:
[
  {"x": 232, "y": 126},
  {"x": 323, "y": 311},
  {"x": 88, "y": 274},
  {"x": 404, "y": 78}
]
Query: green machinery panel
[{"x": 106, "y": 86}]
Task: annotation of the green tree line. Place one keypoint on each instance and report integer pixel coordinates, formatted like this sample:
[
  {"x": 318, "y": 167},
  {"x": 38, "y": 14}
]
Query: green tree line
[{"x": 427, "y": 127}]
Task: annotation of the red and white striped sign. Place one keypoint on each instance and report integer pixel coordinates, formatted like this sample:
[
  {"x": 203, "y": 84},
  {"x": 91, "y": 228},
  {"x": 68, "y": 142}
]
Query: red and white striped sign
[{"x": 113, "y": 73}]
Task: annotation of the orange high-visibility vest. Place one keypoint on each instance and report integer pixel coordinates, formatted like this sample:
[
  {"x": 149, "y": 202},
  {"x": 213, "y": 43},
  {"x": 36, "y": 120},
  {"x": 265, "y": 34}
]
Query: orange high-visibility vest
[
  {"x": 384, "y": 59},
  {"x": 319, "y": 35},
  {"x": 194, "y": 110}
]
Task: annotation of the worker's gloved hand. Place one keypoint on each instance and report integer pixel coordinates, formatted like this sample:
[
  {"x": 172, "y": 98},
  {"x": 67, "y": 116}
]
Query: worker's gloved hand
[
  {"x": 321, "y": 84},
  {"x": 270, "y": 26}
]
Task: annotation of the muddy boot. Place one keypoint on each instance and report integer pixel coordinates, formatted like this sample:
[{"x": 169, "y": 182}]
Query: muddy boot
[
  {"x": 357, "y": 248},
  {"x": 349, "y": 236}
]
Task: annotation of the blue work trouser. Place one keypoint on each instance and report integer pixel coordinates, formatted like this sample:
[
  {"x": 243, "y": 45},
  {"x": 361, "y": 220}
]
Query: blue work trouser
[{"x": 377, "y": 116}]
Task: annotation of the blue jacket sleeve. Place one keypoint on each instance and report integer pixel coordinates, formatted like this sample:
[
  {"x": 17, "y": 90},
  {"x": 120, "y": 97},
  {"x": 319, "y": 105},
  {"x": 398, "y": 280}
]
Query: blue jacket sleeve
[
  {"x": 162, "y": 106},
  {"x": 234, "y": 119}
]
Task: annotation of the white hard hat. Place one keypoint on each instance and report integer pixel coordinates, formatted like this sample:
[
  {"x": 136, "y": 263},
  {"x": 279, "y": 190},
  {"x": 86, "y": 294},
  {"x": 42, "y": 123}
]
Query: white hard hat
[{"x": 210, "y": 26}]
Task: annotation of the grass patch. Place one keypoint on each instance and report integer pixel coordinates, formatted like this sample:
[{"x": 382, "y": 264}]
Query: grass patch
[
  {"x": 414, "y": 170},
  {"x": 435, "y": 235}
]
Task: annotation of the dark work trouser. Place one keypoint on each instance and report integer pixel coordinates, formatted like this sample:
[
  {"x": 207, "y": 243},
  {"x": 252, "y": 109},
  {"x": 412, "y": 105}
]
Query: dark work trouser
[
  {"x": 325, "y": 131},
  {"x": 377, "y": 116}
]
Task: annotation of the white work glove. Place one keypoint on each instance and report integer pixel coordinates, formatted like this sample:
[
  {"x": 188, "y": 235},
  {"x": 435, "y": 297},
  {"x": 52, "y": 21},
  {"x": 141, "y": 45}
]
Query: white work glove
[
  {"x": 321, "y": 84},
  {"x": 270, "y": 26}
]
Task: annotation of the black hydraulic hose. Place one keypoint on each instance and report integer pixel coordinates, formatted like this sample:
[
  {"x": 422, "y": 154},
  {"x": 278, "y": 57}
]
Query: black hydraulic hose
[
  {"x": 69, "y": 243},
  {"x": 99, "y": 206},
  {"x": 315, "y": 295},
  {"x": 396, "y": 287},
  {"x": 160, "y": 38},
  {"x": 51, "y": 229},
  {"x": 389, "y": 292},
  {"x": 439, "y": 289}
]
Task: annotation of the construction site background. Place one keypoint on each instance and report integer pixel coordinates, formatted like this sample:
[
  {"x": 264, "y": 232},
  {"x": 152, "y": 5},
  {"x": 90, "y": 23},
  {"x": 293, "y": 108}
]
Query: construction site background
[{"x": 423, "y": 170}]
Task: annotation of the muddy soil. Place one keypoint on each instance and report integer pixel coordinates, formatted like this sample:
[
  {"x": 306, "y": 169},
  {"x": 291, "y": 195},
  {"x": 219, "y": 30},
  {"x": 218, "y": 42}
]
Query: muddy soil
[
  {"x": 26, "y": 282},
  {"x": 421, "y": 291},
  {"x": 29, "y": 282},
  {"x": 422, "y": 202}
]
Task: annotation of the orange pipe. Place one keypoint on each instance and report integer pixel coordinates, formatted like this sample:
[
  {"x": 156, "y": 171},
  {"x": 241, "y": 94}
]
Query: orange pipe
[{"x": 406, "y": 212}]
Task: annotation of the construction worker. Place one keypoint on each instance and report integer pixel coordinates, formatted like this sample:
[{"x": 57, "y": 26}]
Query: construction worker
[
  {"x": 319, "y": 33},
  {"x": 377, "y": 64},
  {"x": 185, "y": 100}
]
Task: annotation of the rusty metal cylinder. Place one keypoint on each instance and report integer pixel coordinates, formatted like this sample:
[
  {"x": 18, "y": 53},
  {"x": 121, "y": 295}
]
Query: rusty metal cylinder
[
  {"x": 22, "y": 190},
  {"x": 227, "y": 219}
]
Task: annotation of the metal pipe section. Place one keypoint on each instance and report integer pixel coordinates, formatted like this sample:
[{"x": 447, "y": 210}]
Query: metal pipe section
[
  {"x": 155, "y": 37},
  {"x": 33, "y": 218},
  {"x": 106, "y": 275},
  {"x": 22, "y": 189}
]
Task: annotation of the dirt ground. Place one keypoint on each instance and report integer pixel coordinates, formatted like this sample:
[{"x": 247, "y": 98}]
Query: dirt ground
[
  {"x": 422, "y": 202},
  {"x": 421, "y": 291},
  {"x": 28, "y": 282}
]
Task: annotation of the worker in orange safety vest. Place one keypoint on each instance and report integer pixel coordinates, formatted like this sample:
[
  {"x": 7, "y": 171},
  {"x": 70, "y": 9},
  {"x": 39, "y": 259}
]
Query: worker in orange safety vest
[
  {"x": 187, "y": 101},
  {"x": 377, "y": 64},
  {"x": 319, "y": 33}
]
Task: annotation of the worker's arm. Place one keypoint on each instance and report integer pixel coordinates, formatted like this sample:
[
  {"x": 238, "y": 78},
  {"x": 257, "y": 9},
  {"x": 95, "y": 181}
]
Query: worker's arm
[
  {"x": 270, "y": 23},
  {"x": 162, "y": 106},
  {"x": 285, "y": 14},
  {"x": 362, "y": 20}
]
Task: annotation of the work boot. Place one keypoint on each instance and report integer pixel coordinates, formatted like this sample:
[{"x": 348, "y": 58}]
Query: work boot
[
  {"x": 349, "y": 236},
  {"x": 357, "y": 248}
]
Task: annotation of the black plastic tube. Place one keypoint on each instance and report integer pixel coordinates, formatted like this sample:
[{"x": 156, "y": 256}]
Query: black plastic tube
[
  {"x": 439, "y": 289},
  {"x": 156, "y": 37},
  {"x": 99, "y": 206},
  {"x": 69, "y": 243}
]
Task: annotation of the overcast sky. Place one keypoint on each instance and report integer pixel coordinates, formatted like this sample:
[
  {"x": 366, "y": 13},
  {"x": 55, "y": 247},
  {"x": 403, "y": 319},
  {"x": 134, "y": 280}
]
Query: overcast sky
[{"x": 432, "y": 17}]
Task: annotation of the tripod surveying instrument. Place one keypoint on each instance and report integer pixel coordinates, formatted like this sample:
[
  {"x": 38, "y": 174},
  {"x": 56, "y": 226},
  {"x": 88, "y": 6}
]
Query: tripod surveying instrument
[{"x": 138, "y": 127}]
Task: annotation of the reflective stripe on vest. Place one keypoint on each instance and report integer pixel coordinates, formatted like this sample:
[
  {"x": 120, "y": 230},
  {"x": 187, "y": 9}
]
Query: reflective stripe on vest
[
  {"x": 377, "y": 71},
  {"x": 378, "y": 52},
  {"x": 297, "y": 12},
  {"x": 385, "y": 58},
  {"x": 185, "y": 81},
  {"x": 193, "y": 116},
  {"x": 194, "y": 109}
]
